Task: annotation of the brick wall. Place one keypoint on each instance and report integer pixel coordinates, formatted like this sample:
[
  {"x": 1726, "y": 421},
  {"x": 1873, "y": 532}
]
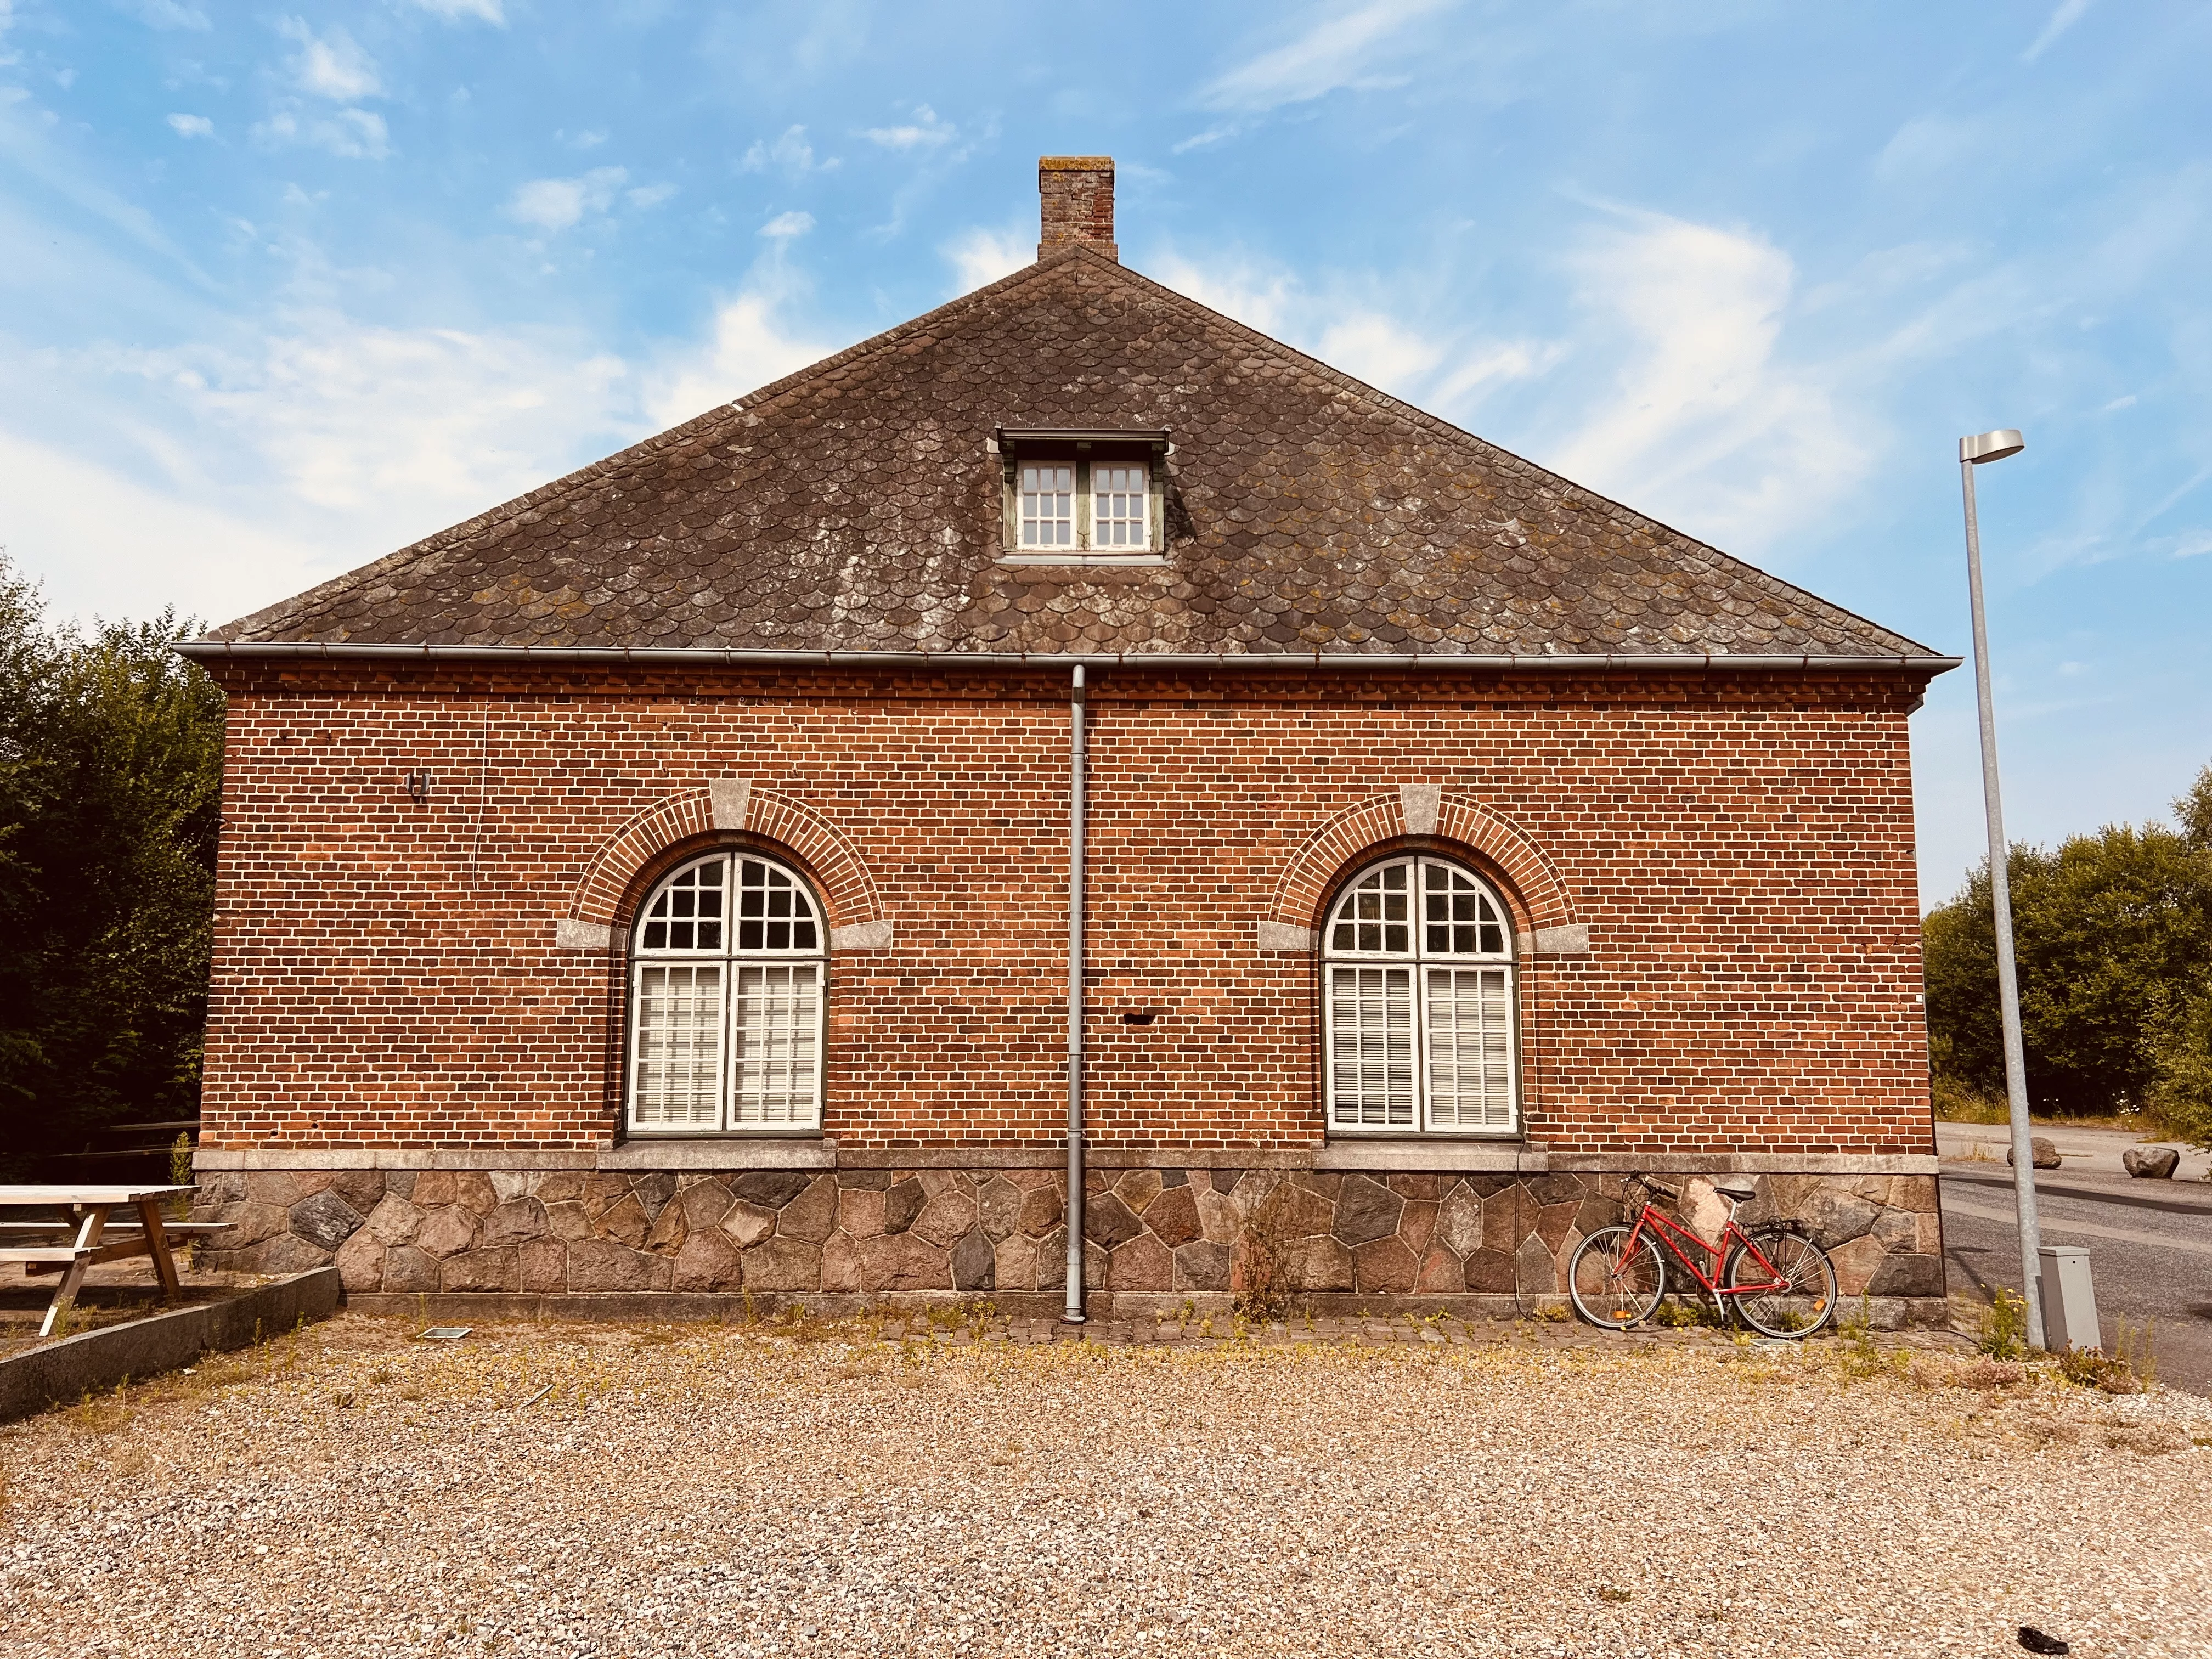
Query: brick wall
[{"x": 1739, "y": 846}]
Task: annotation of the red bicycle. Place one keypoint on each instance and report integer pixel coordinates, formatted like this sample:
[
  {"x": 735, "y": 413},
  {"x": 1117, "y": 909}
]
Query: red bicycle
[{"x": 1779, "y": 1282}]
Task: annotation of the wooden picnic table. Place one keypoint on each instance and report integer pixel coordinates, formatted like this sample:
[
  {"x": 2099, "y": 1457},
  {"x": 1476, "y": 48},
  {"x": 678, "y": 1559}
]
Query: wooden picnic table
[{"x": 86, "y": 1241}]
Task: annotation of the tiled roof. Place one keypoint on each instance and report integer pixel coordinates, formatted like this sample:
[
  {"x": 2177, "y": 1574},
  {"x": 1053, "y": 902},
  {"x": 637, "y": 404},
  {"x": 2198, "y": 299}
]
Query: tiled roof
[{"x": 855, "y": 507}]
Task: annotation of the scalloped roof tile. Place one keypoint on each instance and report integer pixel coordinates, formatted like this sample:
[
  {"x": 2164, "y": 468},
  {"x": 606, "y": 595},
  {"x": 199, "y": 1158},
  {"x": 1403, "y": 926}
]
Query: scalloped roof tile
[{"x": 855, "y": 505}]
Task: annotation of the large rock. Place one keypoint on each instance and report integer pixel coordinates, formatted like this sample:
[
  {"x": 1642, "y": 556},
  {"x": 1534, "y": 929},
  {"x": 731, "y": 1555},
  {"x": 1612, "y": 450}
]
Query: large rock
[
  {"x": 394, "y": 1221},
  {"x": 747, "y": 1224},
  {"x": 1016, "y": 1265},
  {"x": 784, "y": 1264},
  {"x": 769, "y": 1188},
  {"x": 1908, "y": 1275},
  {"x": 903, "y": 1202},
  {"x": 1041, "y": 1212},
  {"x": 2150, "y": 1163},
  {"x": 709, "y": 1261},
  {"x": 943, "y": 1221},
  {"x": 1383, "y": 1266},
  {"x": 1202, "y": 1266},
  {"x": 1141, "y": 1264},
  {"x": 1459, "y": 1223},
  {"x": 704, "y": 1203},
  {"x": 974, "y": 1263},
  {"x": 406, "y": 1268},
  {"x": 601, "y": 1264},
  {"x": 1834, "y": 1218},
  {"x": 545, "y": 1263},
  {"x": 512, "y": 1222},
  {"x": 1138, "y": 1189},
  {"x": 361, "y": 1262},
  {"x": 483, "y": 1270},
  {"x": 1108, "y": 1223},
  {"x": 1366, "y": 1211},
  {"x": 2043, "y": 1153},
  {"x": 1173, "y": 1216},
  {"x": 447, "y": 1233},
  {"x": 999, "y": 1203}
]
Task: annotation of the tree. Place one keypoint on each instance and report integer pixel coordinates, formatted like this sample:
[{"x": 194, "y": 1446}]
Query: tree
[
  {"x": 110, "y": 771},
  {"x": 2112, "y": 934}
]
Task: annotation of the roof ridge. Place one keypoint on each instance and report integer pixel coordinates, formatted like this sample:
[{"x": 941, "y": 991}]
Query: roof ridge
[{"x": 667, "y": 438}]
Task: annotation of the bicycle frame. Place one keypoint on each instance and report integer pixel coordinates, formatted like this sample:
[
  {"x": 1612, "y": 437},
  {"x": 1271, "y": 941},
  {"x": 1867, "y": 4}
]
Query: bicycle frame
[{"x": 1673, "y": 1235}]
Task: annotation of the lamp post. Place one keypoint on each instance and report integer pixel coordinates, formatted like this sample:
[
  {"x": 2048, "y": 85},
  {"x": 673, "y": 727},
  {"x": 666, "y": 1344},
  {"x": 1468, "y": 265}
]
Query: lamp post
[{"x": 1979, "y": 451}]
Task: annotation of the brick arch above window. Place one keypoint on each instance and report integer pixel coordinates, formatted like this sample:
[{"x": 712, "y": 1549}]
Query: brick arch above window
[
  {"x": 857, "y": 922},
  {"x": 1421, "y": 810}
]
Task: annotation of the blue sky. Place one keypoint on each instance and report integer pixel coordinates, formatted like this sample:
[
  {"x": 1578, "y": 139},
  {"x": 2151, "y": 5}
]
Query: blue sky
[{"x": 284, "y": 287}]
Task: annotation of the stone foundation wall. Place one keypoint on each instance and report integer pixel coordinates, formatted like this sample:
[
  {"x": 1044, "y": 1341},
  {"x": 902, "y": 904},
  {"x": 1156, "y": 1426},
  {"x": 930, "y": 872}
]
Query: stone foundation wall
[{"x": 1501, "y": 1239}]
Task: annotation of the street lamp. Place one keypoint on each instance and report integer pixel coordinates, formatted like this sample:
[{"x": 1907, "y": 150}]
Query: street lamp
[{"x": 1975, "y": 452}]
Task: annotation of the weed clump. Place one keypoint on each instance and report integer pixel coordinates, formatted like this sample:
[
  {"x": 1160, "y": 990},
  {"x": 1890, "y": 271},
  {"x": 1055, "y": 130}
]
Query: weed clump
[{"x": 2004, "y": 1327}]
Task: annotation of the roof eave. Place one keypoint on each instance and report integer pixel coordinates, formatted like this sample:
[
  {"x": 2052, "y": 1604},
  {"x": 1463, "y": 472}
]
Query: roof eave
[{"x": 703, "y": 657}]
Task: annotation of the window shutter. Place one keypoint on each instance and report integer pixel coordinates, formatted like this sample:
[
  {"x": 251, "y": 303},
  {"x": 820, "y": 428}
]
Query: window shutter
[
  {"x": 678, "y": 1051},
  {"x": 1371, "y": 1046},
  {"x": 778, "y": 1030},
  {"x": 1470, "y": 1047}
]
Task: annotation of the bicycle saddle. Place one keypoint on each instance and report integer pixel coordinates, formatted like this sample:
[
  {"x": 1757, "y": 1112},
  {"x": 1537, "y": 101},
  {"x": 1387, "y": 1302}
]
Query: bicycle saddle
[{"x": 1741, "y": 1191}]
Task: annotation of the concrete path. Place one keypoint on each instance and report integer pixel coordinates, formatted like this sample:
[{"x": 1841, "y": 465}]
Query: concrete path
[{"x": 2150, "y": 1242}]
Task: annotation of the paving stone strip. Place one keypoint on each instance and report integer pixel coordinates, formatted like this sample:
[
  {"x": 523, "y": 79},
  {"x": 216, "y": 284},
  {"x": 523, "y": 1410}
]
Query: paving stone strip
[{"x": 907, "y": 1486}]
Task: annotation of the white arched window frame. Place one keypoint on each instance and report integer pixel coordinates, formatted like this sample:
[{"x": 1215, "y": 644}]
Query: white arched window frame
[
  {"x": 728, "y": 988},
  {"x": 1419, "y": 1003}
]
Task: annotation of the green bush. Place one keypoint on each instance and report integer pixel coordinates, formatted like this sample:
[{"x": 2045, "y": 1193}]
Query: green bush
[
  {"x": 110, "y": 779},
  {"x": 2112, "y": 934}
]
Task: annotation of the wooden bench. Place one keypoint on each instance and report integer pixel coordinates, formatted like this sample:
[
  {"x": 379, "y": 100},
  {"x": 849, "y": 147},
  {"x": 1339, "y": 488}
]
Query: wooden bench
[
  {"x": 45, "y": 1249},
  {"x": 72, "y": 1255}
]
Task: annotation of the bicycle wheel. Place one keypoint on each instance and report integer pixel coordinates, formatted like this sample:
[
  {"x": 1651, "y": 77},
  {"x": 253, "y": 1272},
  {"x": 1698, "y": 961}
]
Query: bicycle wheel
[
  {"x": 1613, "y": 1286},
  {"x": 1794, "y": 1300}
]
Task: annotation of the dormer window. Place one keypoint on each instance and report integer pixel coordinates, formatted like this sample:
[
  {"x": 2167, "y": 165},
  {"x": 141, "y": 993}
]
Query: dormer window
[
  {"x": 1082, "y": 497},
  {"x": 1047, "y": 506}
]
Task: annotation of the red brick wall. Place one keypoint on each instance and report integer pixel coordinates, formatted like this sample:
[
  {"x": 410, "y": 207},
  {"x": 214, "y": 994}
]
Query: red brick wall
[{"x": 1740, "y": 846}]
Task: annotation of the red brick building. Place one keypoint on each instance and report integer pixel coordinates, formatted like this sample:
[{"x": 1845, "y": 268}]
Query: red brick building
[{"x": 662, "y": 883}]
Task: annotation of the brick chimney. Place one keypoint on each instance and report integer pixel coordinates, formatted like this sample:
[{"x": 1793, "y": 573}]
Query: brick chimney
[{"x": 1076, "y": 195}]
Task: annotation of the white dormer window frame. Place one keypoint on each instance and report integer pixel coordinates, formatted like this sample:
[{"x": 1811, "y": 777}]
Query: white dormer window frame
[{"x": 1082, "y": 498}]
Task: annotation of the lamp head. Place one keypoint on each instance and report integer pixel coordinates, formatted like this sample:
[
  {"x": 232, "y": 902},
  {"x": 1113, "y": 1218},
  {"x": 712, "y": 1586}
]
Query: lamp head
[{"x": 1992, "y": 446}]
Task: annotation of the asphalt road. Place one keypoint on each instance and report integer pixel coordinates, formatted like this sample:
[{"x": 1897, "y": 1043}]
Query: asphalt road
[{"x": 2150, "y": 1243}]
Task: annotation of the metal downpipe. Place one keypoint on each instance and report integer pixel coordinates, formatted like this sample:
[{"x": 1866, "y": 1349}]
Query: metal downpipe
[{"x": 1073, "y": 1313}]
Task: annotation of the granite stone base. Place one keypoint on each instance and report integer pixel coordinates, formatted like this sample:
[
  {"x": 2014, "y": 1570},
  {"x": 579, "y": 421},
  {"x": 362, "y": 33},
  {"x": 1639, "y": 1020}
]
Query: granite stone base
[{"x": 1383, "y": 1239}]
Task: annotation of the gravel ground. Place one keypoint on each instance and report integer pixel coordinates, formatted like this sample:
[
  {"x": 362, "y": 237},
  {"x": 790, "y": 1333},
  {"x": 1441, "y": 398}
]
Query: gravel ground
[{"x": 632, "y": 1490}]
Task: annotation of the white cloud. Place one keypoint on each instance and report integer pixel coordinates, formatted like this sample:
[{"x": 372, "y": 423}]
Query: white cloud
[
  {"x": 227, "y": 479},
  {"x": 786, "y": 226},
  {"x": 981, "y": 256},
  {"x": 924, "y": 132},
  {"x": 1336, "y": 51},
  {"x": 487, "y": 11},
  {"x": 2068, "y": 15},
  {"x": 1704, "y": 424},
  {"x": 648, "y": 196},
  {"x": 192, "y": 126},
  {"x": 554, "y": 205},
  {"x": 751, "y": 346},
  {"x": 355, "y": 134},
  {"x": 791, "y": 154},
  {"x": 330, "y": 65},
  {"x": 1444, "y": 370}
]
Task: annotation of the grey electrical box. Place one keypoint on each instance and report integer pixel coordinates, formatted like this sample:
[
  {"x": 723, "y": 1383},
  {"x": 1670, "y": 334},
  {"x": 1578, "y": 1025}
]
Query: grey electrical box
[{"x": 2069, "y": 1304}]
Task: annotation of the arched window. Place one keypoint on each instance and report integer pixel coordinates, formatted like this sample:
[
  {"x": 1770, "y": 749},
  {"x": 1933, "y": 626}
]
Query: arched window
[
  {"x": 727, "y": 981},
  {"x": 1418, "y": 961}
]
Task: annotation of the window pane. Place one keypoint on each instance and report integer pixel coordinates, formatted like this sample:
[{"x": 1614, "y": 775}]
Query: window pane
[
  {"x": 1371, "y": 1047},
  {"x": 1048, "y": 518},
  {"x": 1459, "y": 918},
  {"x": 776, "y": 1077},
  {"x": 678, "y": 1082},
  {"x": 1470, "y": 1047},
  {"x": 774, "y": 911},
  {"x": 1119, "y": 518},
  {"x": 687, "y": 913},
  {"x": 1376, "y": 915}
]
